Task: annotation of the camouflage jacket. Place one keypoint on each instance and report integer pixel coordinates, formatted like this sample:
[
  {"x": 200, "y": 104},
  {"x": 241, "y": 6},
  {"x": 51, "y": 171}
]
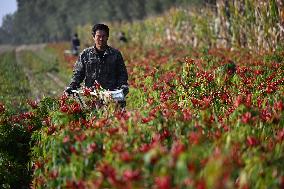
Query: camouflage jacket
[{"x": 109, "y": 71}]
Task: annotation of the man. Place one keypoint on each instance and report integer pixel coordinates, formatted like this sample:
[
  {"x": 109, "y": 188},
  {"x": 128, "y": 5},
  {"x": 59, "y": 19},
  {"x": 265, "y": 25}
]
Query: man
[
  {"x": 75, "y": 45},
  {"x": 100, "y": 64},
  {"x": 122, "y": 37}
]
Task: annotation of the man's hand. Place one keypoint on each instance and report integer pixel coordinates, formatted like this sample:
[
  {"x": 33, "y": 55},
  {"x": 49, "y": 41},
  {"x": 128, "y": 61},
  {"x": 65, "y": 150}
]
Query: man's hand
[
  {"x": 68, "y": 90},
  {"x": 125, "y": 89}
]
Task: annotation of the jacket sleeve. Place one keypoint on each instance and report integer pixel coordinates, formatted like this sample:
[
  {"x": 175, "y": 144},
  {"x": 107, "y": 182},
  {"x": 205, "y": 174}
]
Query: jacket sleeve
[
  {"x": 122, "y": 71},
  {"x": 78, "y": 72}
]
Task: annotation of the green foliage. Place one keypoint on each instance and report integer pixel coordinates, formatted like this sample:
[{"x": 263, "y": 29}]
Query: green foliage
[
  {"x": 275, "y": 56},
  {"x": 46, "y": 106},
  {"x": 14, "y": 156},
  {"x": 13, "y": 174}
]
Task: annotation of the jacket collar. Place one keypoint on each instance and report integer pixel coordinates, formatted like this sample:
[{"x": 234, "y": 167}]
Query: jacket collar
[{"x": 107, "y": 51}]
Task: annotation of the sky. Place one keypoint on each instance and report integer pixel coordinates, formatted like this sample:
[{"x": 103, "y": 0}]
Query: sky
[{"x": 7, "y": 7}]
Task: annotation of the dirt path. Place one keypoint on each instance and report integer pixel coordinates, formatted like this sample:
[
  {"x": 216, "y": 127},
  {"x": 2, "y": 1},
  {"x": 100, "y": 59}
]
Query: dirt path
[
  {"x": 6, "y": 48},
  {"x": 34, "y": 48},
  {"x": 36, "y": 90},
  {"x": 56, "y": 79}
]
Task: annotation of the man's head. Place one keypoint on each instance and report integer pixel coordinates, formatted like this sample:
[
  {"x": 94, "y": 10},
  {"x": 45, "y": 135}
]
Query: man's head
[{"x": 100, "y": 34}]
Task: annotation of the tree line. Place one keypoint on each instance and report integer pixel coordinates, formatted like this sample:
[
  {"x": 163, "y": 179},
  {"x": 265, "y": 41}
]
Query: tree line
[{"x": 37, "y": 21}]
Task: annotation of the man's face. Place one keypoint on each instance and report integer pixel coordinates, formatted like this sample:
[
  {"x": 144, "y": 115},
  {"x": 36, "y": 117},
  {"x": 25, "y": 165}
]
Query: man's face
[{"x": 100, "y": 39}]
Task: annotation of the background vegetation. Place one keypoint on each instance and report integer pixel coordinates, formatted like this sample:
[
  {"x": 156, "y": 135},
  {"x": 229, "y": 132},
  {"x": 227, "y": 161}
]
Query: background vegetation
[{"x": 47, "y": 21}]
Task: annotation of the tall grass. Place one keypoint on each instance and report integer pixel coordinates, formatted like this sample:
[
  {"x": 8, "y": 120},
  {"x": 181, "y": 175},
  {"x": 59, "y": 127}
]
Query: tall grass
[
  {"x": 257, "y": 25},
  {"x": 253, "y": 24}
]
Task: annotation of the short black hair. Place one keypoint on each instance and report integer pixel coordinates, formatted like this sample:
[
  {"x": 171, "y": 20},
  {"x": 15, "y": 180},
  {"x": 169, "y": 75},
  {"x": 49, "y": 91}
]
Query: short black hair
[{"x": 100, "y": 27}]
